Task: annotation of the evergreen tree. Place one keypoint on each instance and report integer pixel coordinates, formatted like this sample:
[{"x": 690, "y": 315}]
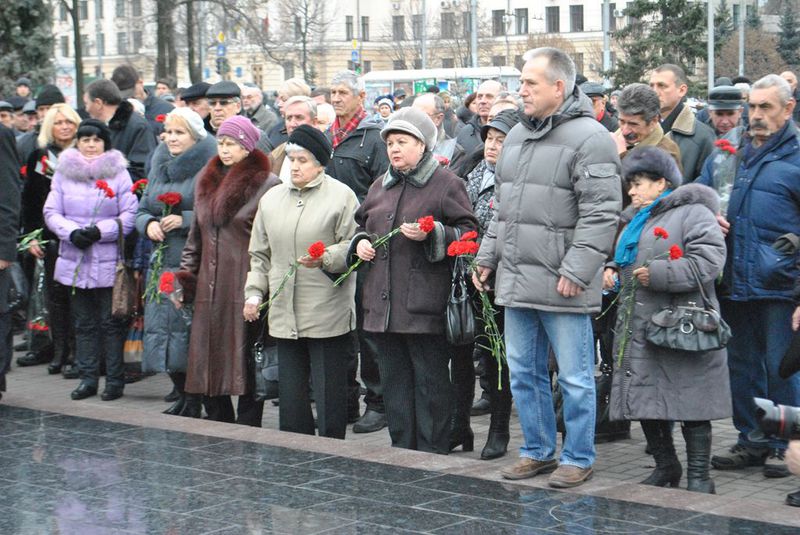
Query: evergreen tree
[
  {"x": 723, "y": 24},
  {"x": 659, "y": 31},
  {"x": 26, "y": 43},
  {"x": 789, "y": 36},
  {"x": 753, "y": 19}
]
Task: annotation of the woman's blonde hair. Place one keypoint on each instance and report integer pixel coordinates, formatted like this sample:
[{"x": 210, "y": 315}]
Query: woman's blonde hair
[
  {"x": 180, "y": 121},
  {"x": 46, "y": 131}
]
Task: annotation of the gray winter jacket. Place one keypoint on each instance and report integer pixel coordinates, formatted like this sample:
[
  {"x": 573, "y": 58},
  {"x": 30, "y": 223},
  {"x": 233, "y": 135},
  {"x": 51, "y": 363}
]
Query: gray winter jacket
[
  {"x": 661, "y": 384},
  {"x": 557, "y": 199}
]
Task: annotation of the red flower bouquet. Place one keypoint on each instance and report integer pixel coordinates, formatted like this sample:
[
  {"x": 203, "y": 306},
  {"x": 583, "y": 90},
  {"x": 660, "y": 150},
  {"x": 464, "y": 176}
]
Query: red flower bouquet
[
  {"x": 139, "y": 186},
  {"x": 170, "y": 200}
]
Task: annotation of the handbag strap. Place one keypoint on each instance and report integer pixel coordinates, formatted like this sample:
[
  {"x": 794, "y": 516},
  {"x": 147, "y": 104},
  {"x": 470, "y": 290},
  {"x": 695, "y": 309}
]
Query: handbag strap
[
  {"x": 696, "y": 272},
  {"x": 120, "y": 240}
]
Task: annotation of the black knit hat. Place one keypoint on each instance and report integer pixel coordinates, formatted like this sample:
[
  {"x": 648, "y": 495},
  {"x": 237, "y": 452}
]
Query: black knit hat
[
  {"x": 93, "y": 127},
  {"x": 503, "y": 121},
  {"x": 651, "y": 161},
  {"x": 313, "y": 141},
  {"x": 49, "y": 95}
]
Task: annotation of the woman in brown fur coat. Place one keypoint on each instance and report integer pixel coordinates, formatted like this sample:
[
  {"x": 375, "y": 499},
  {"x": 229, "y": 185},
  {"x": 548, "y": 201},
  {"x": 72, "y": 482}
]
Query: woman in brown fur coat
[{"x": 214, "y": 267}]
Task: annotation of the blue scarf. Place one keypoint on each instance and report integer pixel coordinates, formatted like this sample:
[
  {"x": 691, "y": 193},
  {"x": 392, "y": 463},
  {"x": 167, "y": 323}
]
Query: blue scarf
[{"x": 628, "y": 245}]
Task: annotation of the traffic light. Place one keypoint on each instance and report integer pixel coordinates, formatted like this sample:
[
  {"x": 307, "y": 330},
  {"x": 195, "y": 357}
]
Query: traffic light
[{"x": 223, "y": 67}]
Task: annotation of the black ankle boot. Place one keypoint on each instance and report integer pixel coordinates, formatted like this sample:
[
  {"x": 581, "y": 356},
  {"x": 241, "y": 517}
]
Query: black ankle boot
[
  {"x": 178, "y": 406},
  {"x": 193, "y": 406},
  {"x": 659, "y": 440},
  {"x": 463, "y": 437},
  {"x": 497, "y": 441},
  {"x": 698, "y": 456}
]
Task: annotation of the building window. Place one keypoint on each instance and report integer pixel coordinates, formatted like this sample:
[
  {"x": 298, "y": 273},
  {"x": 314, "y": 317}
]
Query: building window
[
  {"x": 137, "y": 40},
  {"x": 498, "y": 22},
  {"x": 521, "y": 18},
  {"x": 367, "y": 66},
  {"x": 466, "y": 23},
  {"x": 448, "y": 63},
  {"x": 65, "y": 46},
  {"x": 578, "y": 59},
  {"x": 348, "y": 28},
  {"x": 448, "y": 26},
  {"x": 83, "y": 10},
  {"x": 519, "y": 62},
  {"x": 498, "y": 61},
  {"x": 418, "y": 63},
  {"x": 99, "y": 8},
  {"x": 122, "y": 43},
  {"x": 399, "y": 65},
  {"x": 399, "y": 28},
  {"x": 288, "y": 70},
  {"x": 576, "y": 18},
  {"x": 298, "y": 28},
  {"x": 120, "y": 8},
  {"x": 612, "y": 20},
  {"x": 62, "y": 12},
  {"x": 552, "y": 19},
  {"x": 101, "y": 44},
  {"x": 136, "y": 8},
  {"x": 365, "y": 28},
  {"x": 85, "y": 45},
  {"x": 416, "y": 25}
]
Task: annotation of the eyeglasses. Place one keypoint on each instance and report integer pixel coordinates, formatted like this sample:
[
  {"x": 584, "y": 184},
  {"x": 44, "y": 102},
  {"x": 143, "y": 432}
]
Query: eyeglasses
[{"x": 222, "y": 101}]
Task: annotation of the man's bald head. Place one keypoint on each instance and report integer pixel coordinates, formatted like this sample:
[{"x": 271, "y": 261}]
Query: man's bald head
[{"x": 432, "y": 105}]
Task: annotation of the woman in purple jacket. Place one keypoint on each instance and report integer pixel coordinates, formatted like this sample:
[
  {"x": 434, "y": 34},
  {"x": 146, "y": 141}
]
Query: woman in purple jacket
[{"x": 89, "y": 195}]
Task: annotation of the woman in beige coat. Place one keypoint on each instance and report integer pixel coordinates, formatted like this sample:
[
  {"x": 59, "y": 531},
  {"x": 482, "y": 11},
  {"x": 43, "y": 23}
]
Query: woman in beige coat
[{"x": 310, "y": 318}]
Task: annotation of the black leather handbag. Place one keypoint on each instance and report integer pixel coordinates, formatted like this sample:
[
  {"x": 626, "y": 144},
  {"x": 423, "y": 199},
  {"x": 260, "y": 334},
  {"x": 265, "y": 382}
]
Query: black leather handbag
[
  {"x": 265, "y": 369},
  {"x": 689, "y": 327},
  {"x": 459, "y": 315}
]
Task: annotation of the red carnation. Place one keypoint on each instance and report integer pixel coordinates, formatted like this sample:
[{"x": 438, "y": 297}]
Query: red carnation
[
  {"x": 139, "y": 186},
  {"x": 109, "y": 193},
  {"x": 23, "y": 171},
  {"x": 426, "y": 223},
  {"x": 470, "y": 247},
  {"x": 443, "y": 160},
  {"x": 161, "y": 118},
  {"x": 167, "y": 283},
  {"x": 721, "y": 143},
  {"x": 730, "y": 149},
  {"x": 316, "y": 250},
  {"x": 675, "y": 252},
  {"x": 101, "y": 184},
  {"x": 171, "y": 198},
  {"x": 661, "y": 232},
  {"x": 471, "y": 235}
]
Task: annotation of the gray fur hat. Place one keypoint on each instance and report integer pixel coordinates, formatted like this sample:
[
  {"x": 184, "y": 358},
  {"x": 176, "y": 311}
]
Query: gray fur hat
[
  {"x": 651, "y": 161},
  {"x": 414, "y": 122}
]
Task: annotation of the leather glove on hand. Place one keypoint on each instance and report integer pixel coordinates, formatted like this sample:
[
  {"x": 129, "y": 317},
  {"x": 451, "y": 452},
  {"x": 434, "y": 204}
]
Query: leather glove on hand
[
  {"x": 85, "y": 237},
  {"x": 787, "y": 244}
]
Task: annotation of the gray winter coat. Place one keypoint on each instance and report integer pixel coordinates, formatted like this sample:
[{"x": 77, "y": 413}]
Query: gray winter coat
[
  {"x": 661, "y": 384},
  {"x": 557, "y": 199},
  {"x": 166, "y": 329}
]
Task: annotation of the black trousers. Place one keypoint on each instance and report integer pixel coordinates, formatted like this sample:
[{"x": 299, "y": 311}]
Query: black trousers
[
  {"x": 6, "y": 344},
  {"x": 325, "y": 360},
  {"x": 248, "y": 410},
  {"x": 363, "y": 344},
  {"x": 97, "y": 335},
  {"x": 416, "y": 390},
  {"x": 59, "y": 315}
]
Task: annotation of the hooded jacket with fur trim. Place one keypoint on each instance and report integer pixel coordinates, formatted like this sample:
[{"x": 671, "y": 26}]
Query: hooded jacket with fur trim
[{"x": 75, "y": 202}]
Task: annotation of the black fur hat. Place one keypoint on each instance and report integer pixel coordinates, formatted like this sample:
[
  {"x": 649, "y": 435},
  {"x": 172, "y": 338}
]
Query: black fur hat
[{"x": 653, "y": 162}]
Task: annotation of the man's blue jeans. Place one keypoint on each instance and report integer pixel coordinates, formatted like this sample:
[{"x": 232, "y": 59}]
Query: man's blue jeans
[
  {"x": 762, "y": 332},
  {"x": 529, "y": 335}
]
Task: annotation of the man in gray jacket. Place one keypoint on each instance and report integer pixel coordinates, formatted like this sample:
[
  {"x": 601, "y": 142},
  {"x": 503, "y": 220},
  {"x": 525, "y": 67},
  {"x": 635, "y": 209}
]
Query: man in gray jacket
[{"x": 557, "y": 200}]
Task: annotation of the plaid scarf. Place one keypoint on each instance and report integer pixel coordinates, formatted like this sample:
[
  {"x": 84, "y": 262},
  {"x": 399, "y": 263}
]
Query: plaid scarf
[{"x": 338, "y": 132}]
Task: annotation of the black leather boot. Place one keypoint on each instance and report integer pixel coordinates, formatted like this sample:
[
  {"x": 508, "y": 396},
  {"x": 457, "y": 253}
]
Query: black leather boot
[
  {"x": 659, "y": 440},
  {"x": 698, "y": 456},
  {"x": 500, "y": 399},
  {"x": 193, "y": 406},
  {"x": 463, "y": 378},
  {"x": 178, "y": 382}
]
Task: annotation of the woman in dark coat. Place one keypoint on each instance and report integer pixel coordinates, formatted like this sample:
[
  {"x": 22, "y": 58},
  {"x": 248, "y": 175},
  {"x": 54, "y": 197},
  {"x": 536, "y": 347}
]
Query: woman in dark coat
[
  {"x": 185, "y": 151},
  {"x": 214, "y": 268},
  {"x": 408, "y": 280},
  {"x": 653, "y": 384},
  {"x": 58, "y": 131}
]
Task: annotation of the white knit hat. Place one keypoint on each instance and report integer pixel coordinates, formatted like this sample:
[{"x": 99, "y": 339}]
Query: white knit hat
[
  {"x": 193, "y": 119},
  {"x": 414, "y": 122}
]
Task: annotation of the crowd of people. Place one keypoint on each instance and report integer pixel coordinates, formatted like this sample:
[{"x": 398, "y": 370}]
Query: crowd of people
[{"x": 322, "y": 230}]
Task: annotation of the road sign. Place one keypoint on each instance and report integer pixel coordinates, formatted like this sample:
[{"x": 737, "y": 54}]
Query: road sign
[
  {"x": 221, "y": 37},
  {"x": 355, "y": 44},
  {"x": 239, "y": 72},
  {"x": 221, "y": 49},
  {"x": 354, "y": 56}
]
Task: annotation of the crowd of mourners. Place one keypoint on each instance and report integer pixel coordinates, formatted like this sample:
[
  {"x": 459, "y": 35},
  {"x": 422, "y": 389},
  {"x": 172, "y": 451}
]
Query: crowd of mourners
[{"x": 624, "y": 230}]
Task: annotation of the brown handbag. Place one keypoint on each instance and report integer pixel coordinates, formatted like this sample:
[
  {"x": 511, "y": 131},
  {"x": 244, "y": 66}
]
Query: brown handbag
[{"x": 123, "y": 296}]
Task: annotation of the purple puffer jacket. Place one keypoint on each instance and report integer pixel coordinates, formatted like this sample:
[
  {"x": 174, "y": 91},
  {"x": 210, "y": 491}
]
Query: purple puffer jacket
[{"x": 75, "y": 202}]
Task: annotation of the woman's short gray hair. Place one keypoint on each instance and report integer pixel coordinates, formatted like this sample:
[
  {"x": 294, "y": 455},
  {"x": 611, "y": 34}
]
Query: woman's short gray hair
[
  {"x": 350, "y": 80},
  {"x": 292, "y": 148},
  {"x": 773, "y": 80},
  {"x": 559, "y": 66},
  {"x": 639, "y": 99}
]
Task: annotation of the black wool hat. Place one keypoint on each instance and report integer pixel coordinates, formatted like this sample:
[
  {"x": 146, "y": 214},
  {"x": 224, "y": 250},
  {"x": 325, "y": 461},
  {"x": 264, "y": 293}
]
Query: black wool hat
[
  {"x": 313, "y": 141},
  {"x": 503, "y": 121},
  {"x": 93, "y": 127},
  {"x": 194, "y": 92},
  {"x": 224, "y": 89},
  {"x": 49, "y": 95},
  {"x": 651, "y": 161}
]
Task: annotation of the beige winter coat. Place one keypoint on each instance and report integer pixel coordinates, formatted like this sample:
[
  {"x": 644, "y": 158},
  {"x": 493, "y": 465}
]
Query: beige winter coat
[{"x": 288, "y": 221}]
